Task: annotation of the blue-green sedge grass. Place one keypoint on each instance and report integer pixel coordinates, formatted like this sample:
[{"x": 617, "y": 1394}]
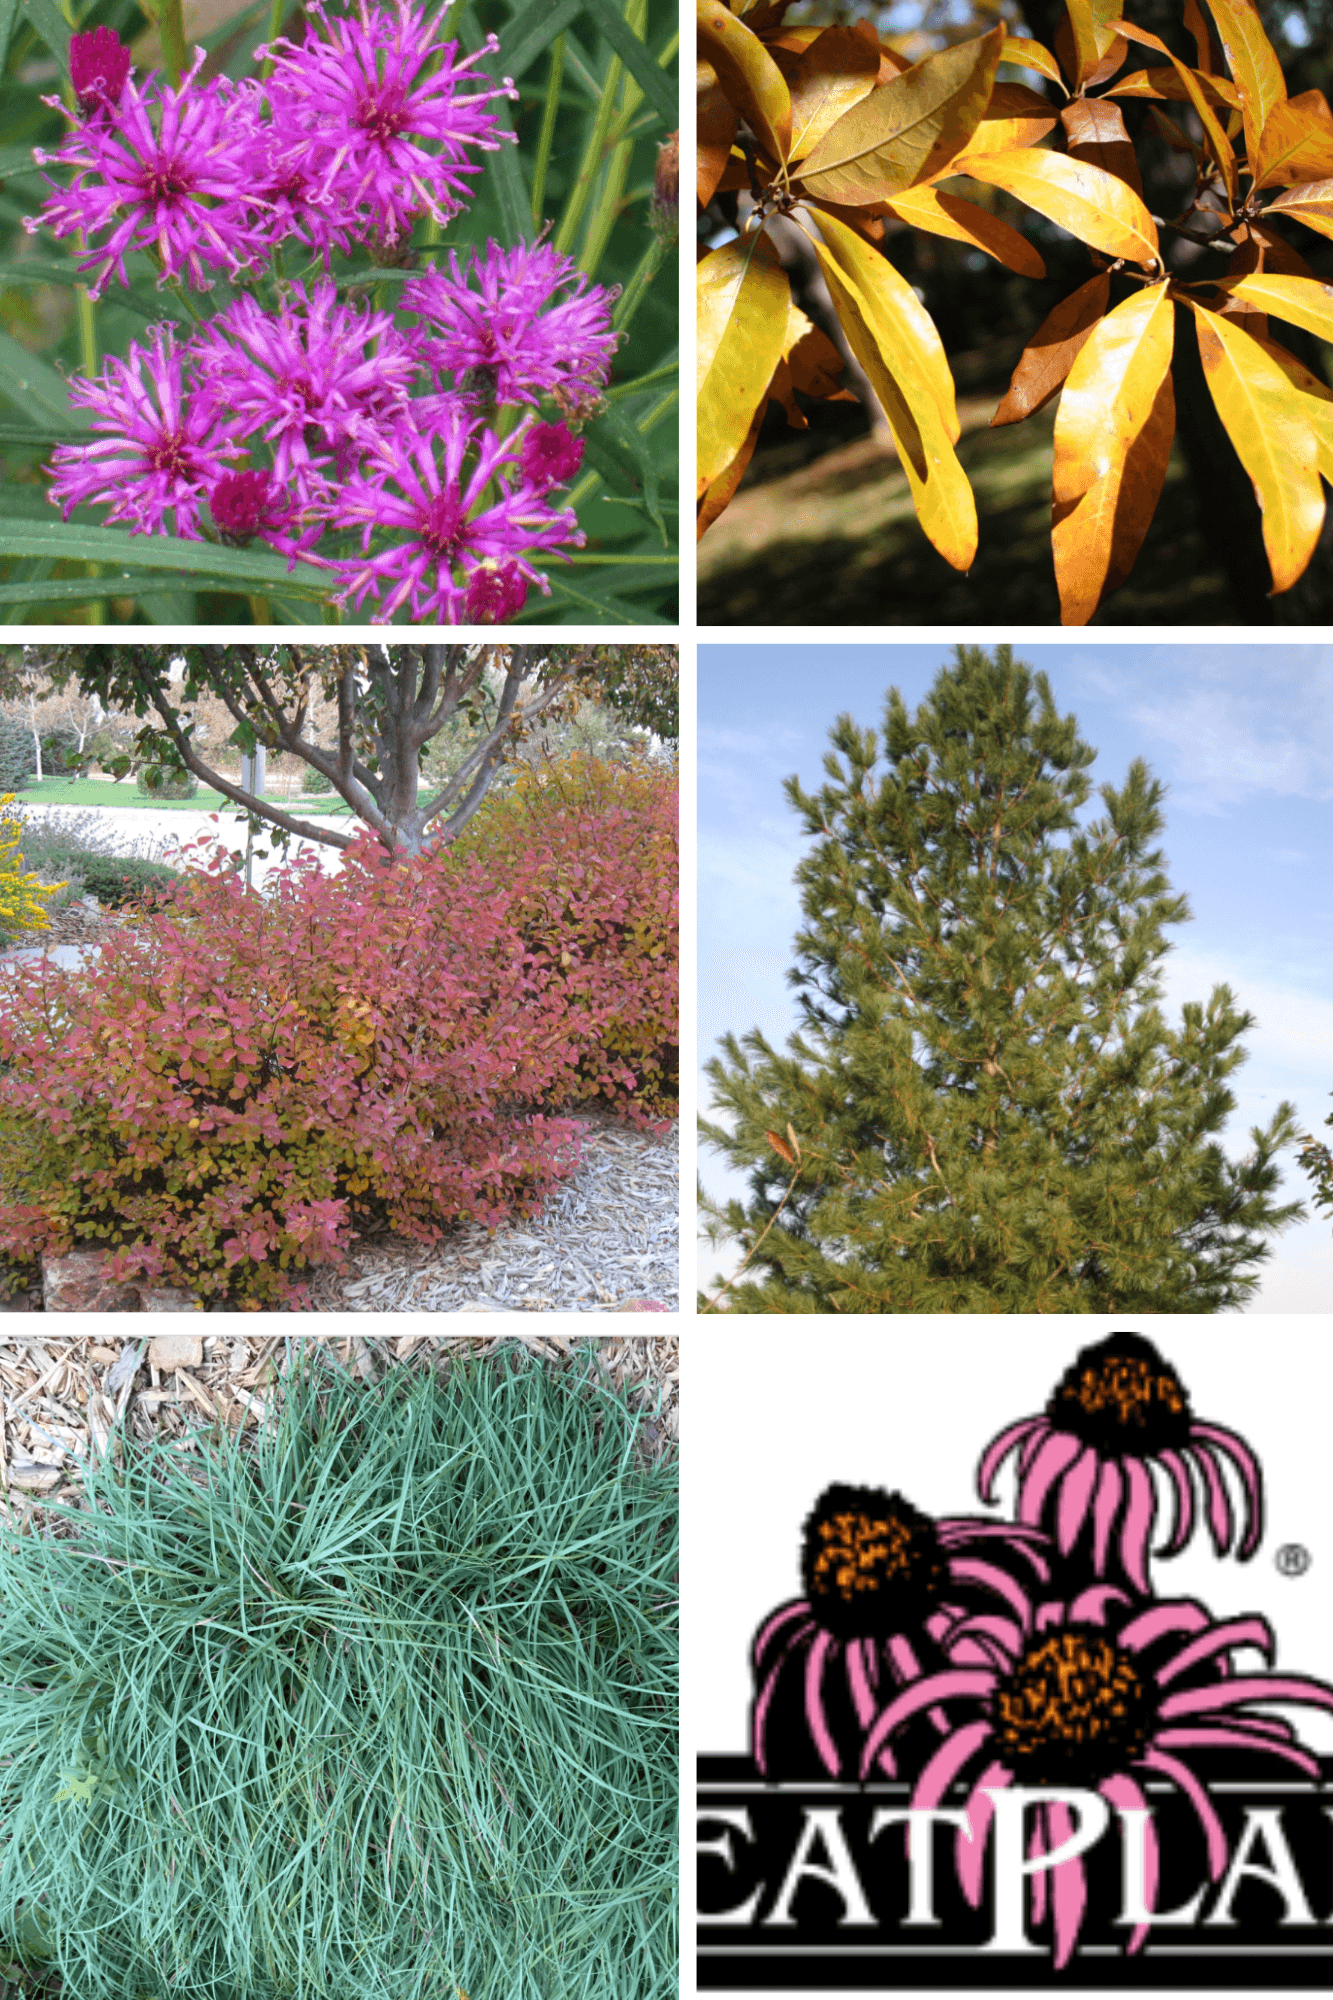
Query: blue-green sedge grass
[{"x": 379, "y": 1706}]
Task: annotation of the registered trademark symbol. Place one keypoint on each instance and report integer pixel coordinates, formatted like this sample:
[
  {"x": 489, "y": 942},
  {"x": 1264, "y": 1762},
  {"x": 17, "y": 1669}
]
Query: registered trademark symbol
[{"x": 1292, "y": 1559}]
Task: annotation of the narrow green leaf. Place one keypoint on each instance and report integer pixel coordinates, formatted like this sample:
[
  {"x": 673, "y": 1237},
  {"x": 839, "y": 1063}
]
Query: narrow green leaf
[
  {"x": 40, "y": 271},
  {"x": 610, "y": 609},
  {"x": 14, "y": 160},
  {"x": 8, "y": 12},
  {"x": 624, "y": 457},
  {"x": 22, "y": 434},
  {"x": 33, "y": 386},
  {"x": 26, "y": 575},
  {"x": 504, "y": 171},
  {"x": 638, "y": 60},
  {"x": 533, "y": 29},
  {"x": 136, "y": 556},
  {"x": 46, "y": 20}
]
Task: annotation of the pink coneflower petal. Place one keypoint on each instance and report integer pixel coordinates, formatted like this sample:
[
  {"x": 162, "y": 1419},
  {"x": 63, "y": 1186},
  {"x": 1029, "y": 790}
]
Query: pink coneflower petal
[
  {"x": 1093, "y": 1605},
  {"x": 1069, "y": 1887},
  {"x": 1219, "y": 1507},
  {"x": 1234, "y": 1738},
  {"x": 999, "y": 1449},
  {"x": 947, "y": 1762},
  {"x": 1162, "y": 1618},
  {"x": 1040, "y": 1841},
  {"x": 1075, "y": 1493},
  {"x": 1110, "y": 1486},
  {"x": 1247, "y": 1687},
  {"x": 1137, "y": 1524},
  {"x": 995, "y": 1579},
  {"x": 814, "y": 1704},
  {"x": 1184, "y": 1490},
  {"x": 1233, "y": 1632},
  {"x": 970, "y": 1853},
  {"x": 945, "y": 1686},
  {"x": 1181, "y": 1774},
  {"x": 1059, "y": 1451},
  {"x": 1252, "y": 1478},
  {"x": 797, "y": 1612}
]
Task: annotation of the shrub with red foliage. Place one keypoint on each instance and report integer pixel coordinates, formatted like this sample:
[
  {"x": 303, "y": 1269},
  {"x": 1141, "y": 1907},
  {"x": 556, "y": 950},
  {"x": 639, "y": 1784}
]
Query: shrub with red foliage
[{"x": 239, "y": 1081}]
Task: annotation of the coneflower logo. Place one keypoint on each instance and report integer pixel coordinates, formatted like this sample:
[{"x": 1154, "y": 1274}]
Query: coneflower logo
[{"x": 1000, "y": 1742}]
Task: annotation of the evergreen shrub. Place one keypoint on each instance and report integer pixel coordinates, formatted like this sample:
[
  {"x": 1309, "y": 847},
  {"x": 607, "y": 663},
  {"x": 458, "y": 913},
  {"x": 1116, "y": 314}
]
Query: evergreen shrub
[
  {"x": 18, "y": 757},
  {"x": 314, "y": 782},
  {"x": 60, "y": 750},
  {"x": 243, "y": 1081},
  {"x": 378, "y": 1703},
  {"x": 593, "y": 849}
]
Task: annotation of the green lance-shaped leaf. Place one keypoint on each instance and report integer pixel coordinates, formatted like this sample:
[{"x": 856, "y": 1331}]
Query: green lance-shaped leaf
[
  {"x": 743, "y": 300},
  {"x": 908, "y": 130}
]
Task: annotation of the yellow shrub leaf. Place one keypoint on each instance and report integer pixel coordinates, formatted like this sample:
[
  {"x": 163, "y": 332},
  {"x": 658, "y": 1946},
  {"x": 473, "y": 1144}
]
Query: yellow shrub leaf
[
  {"x": 1311, "y": 203},
  {"x": 909, "y": 129},
  {"x": 1198, "y": 95},
  {"x": 1015, "y": 117},
  {"x": 1297, "y": 144},
  {"x": 1113, "y": 434},
  {"x": 748, "y": 74},
  {"x": 1306, "y": 302},
  {"x": 866, "y": 293},
  {"x": 1089, "y": 203},
  {"x": 1318, "y": 404},
  {"x": 1253, "y": 64},
  {"x": 837, "y": 70},
  {"x": 1030, "y": 55},
  {"x": 949, "y": 215},
  {"x": 1267, "y": 419},
  {"x": 1093, "y": 34},
  {"x": 743, "y": 303}
]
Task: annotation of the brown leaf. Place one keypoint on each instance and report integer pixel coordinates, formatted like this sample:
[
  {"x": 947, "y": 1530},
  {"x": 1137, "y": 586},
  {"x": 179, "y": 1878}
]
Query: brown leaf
[
  {"x": 743, "y": 302},
  {"x": 748, "y": 74},
  {"x": 1095, "y": 130},
  {"x": 1254, "y": 65},
  {"x": 1113, "y": 434},
  {"x": 838, "y": 69},
  {"x": 1053, "y": 349},
  {"x": 909, "y": 129},
  {"x": 719, "y": 494},
  {"x": 1203, "y": 41},
  {"x": 949, "y": 215},
  {"x": 1107, "y": 66},
  {"x": 781, "y": 1147},
  {"x": 1089, "y": 203},
  {"x": 1278, "y": 253},
  {"x": 718, "y": 125},
  {"x": 817, "y": 368},
  {"x": 1297, "y": 144},
  {"x": 1268, "y": 420}
]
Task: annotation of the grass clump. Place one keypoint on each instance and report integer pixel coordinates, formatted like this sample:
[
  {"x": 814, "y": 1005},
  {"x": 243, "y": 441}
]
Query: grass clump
[{"x": 383, "y": 1708}]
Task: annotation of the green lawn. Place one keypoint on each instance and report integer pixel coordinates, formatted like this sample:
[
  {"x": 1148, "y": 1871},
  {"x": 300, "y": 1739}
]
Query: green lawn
[{"x": 96, "y": 792}]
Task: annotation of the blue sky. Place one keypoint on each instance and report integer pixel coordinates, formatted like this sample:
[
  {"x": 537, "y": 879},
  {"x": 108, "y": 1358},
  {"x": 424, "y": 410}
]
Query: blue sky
[{"x": 1242, "y": 735}]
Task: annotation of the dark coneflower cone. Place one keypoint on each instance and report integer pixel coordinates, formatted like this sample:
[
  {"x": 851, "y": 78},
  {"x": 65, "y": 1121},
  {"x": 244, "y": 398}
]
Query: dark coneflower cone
[
  {"x": 871, "y": 1563},
  {"x": 1074, "y": 1710},
  {"x": 1121, "y": 1397}
]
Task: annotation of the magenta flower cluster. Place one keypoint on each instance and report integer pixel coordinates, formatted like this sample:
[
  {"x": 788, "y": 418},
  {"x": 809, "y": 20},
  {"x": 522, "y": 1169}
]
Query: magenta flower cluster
[
  {"x": 968, "y": 1656},
  {"x": 300, "y": 412}
]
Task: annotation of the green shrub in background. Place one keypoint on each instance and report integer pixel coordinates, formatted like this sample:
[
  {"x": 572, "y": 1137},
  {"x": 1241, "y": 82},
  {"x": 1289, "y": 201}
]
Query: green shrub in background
[
  {"x": 382, "y": 1709},
  {"x": 116, "y": 879},
  {"x": 313, "y": 782},
  {"x": 61, "y": 842},
  {"x": 60, "y": 751}
]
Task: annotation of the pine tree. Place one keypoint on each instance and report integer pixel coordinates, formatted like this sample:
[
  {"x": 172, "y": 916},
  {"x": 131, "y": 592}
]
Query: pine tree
[{"x": 985, "y": 1109}]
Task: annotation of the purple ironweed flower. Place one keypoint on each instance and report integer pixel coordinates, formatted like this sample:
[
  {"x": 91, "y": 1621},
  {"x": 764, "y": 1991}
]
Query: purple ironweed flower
[
  {"x": 99, "y": 66},
  {"x": 883, "y": 1584},
  {"x": 520, "y": 324},
  {"x": 421, "y": 491},
  {"x": 159, "y": 456},
  {"x": 246, "y": 504},
  {"x": 1083, "y": 1469},
  {"x": 355, "y": 103},
  {"x": 313, "y": 379},
  {"x": 495, "y": 596},
  {"x": 1085, "y": 1696},
  {"x": 177, "y": 185},
  {"x": 551, "y": 455}
]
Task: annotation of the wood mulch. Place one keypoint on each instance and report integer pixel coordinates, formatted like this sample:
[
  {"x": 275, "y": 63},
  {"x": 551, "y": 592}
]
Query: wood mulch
[{"x": 65, "y": 1396}]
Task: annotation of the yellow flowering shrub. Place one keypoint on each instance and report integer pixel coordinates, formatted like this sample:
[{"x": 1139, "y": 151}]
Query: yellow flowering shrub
[{"x": 22, "y": 905}]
